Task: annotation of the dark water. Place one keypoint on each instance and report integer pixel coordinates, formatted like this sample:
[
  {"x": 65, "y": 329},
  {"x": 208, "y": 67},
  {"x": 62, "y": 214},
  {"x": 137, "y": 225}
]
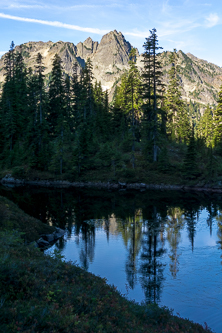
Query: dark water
[{"x": 163, "y": 247}]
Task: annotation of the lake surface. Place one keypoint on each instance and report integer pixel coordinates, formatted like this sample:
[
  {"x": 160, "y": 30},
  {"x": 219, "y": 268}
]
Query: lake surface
[{"x": 163, "y": 247}]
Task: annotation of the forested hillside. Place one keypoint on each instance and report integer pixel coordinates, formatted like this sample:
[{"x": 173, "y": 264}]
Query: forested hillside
[{"x": 62, "y": 125}]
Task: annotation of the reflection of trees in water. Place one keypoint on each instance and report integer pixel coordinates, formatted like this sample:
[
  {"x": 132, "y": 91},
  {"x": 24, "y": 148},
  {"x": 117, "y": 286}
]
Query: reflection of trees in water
[
  {"x": 191, "y": 221},
  {"x": 175, "y": 223},
  {"x": 151, "y": 268},
  {"x": 132, "y": 239},
  {"x": 212, "y": 211},
  {"x": 219, "y": 232},
  {"x": 70, "y": 208},
  {"x": 60, "y": 244},
  {"x": 87, "y": 245}
]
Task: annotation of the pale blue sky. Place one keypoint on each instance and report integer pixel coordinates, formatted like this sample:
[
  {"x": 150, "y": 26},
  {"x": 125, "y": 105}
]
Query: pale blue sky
[{"x": 192, "y": 26}]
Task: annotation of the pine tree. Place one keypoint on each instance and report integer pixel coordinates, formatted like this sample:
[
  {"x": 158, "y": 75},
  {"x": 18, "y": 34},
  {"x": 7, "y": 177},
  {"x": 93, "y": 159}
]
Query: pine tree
[
  {"x": 20, "y": 81},
  {"x": 14, "y": 111},
  {"x": 218, "y": 121},
  {"x": 134, "y": 86},
  {"x": 76, "y": 101},
  {"x": 153, "y": 88},
  {"x": 205, "y": 127},
  {"x": 101, "y": 110},
  {"x": 57, "y": 117},
  {"x": 86, "y": 80},
  {"x": 84, "y": 114},
  {"x": 178, "y": 126},
  {"x": 38, "y": 139},
  {"x": 8, "y": 110},
  {"x": 190, "y": 161},
  {"x": 120, "y": 120},
  {"x": 41, "y": 89}
]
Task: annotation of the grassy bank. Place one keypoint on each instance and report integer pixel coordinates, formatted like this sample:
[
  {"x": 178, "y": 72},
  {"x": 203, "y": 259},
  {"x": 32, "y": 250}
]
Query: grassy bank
[
  {"x": 13, "y": 218},
  {"x": 40, "y": 293},
  {"x": 44, "y": 294}
]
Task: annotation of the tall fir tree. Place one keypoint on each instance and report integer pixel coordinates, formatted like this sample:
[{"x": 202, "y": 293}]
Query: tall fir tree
[
  {"x": 14, "y": 112},
  {"x": 8, "y": 104},
  {"x": 38, "y": 141},
  {"x": 205, "y": 127},
  {"x": 190, "y": 161},
  {"x": 57, "y": 117},
  {"x": 178, "y": 126},
  {"x": 134, "y": 86},
  {"x": 218, "y": 121},
  {"x": 152, "y": 93}
]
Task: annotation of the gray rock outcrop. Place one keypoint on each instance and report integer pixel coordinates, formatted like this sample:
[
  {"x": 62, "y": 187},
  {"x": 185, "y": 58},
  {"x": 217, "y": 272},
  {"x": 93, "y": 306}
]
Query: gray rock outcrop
[{"x": 200, "y": 81}]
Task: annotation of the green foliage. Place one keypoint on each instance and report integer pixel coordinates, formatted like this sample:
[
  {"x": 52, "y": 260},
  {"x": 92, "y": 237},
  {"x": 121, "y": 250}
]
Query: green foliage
[
  {"x": 190, "y": 161},
  {"x": 152, "y": 95},
  {"x": 66, "y": 126},
  {"x": 205, "y": 127},
  {"x": 177, "y": 125},
  {"x": 163, "y": 161},
  {"x": 217, "y": 121}
]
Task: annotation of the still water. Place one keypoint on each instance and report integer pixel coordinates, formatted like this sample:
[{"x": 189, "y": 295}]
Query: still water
[{"x": 163, "y": 247}]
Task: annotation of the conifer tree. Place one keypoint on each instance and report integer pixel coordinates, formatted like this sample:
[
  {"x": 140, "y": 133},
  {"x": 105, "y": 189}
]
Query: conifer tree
[
  {"x": 20, "y": 81},
  {"x": 153, "y": 88},
  {"x": 86, "y": 79},
  {"x": 76, "y": 94},
  {"x": 8, "y": 108},
  {"x": 40, "y": 79},
  {"x": 118, "y": 112},
  {"x": 121, "y": 109},
  {"x": 68, "y": 107},
  {"x": 178, "y": 126},
  {"x": 14, "y": 111},
  {"x": 190, "y": 161},
  {"x": 101, "y": 110},
  {"x": 134, "y": 86},
  {"x": 84, "y": 113},
  {"x": 38, "y": 140},
  {"x": 57, "y": 113},
  {"x": 205, "y": 127},
  {"x": 218, "y": 121}
]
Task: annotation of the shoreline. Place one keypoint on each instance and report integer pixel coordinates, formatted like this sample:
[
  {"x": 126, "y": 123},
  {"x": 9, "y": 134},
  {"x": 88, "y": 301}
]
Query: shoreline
[{"x": 8, "y": 180}]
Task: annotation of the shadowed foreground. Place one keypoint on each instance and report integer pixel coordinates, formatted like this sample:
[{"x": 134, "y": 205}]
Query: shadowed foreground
[{"x": 44, "y": 294}]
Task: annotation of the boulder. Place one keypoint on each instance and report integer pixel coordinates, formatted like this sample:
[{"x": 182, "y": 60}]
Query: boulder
[
  {"x": 58, "y": 233},
  {"x": 49, "y": 238},
  {"x": 42, "y": 242}
]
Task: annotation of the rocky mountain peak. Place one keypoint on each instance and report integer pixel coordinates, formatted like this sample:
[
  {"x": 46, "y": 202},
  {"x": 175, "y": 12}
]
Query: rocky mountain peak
[
  {"x": 200, "y": 81},
  {"x": 87, "y": 48},
  {"x": 113, "y": 49}
]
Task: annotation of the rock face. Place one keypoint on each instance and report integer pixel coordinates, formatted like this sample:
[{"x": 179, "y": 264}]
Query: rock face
[
  {"x": 200, "y": 80},
  {"x": 85, "y": 49}
]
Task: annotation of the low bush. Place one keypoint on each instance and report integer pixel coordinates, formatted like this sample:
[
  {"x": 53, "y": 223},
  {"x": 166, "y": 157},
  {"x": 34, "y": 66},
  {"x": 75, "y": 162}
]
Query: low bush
[{"x": 40, "y": 293}]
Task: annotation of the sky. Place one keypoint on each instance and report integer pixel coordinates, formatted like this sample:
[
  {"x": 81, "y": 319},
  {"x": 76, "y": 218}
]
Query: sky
[{"x": 193, "y": 26}]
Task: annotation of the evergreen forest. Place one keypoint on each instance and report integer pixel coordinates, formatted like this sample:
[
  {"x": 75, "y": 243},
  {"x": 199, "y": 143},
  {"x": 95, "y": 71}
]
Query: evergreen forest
[{"x": 65, "y": 127}]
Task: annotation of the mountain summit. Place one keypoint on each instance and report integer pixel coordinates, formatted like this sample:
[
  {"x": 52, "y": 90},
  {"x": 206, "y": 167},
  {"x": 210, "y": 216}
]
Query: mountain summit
[{"x": 200, "y": 80}]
